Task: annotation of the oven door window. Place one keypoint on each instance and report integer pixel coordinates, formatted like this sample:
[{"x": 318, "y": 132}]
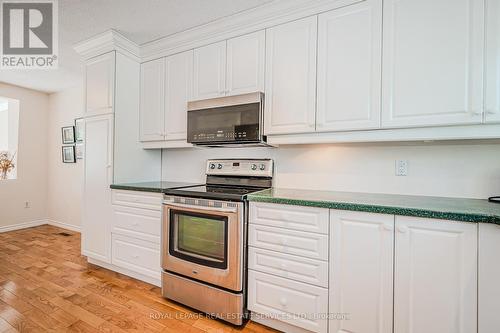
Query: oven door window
[{"x": 199, "y": 238}]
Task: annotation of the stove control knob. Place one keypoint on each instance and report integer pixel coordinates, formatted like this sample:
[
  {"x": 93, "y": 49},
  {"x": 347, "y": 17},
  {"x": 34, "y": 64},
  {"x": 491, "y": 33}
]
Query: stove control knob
[
  {"x": 212, "y": 166},
  {"x": 262, "y": 167},
  {"x": 219, "y": 166},
  {"x": 254, "y": 166}
]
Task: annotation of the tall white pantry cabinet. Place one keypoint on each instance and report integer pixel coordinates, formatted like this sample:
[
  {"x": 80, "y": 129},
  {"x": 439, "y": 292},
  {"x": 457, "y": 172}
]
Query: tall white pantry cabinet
[{"x": 111, "y": 143}]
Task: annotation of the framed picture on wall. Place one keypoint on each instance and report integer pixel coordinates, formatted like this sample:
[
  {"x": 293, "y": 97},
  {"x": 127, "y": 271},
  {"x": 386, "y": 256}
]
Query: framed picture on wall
[
  {"x": 79, "y": 130},
  {"x": 68, "y": 154},
  {"x": 68, "y": 134},
  {"x": 79, "y": 151}
]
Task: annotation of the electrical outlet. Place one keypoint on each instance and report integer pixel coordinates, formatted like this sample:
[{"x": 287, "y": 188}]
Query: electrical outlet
[
  {"x": 401, "y": 168},
  {"x": 26, "y": 204}
]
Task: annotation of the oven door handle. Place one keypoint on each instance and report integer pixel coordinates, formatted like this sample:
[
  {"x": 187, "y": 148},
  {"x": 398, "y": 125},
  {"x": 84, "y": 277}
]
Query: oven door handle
[{"x": 211, "y": 209}]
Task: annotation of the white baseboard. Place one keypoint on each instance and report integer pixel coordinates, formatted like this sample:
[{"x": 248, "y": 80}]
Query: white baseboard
[
  {"x": 23, "y": 225},
  {"x": 63, "y": 225}
]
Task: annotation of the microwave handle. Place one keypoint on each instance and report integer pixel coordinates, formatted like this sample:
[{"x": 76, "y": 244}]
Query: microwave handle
[{"x": 211, "y": 209}]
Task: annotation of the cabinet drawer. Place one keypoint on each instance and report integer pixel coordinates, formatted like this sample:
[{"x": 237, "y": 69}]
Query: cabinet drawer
[
  {"x": 292, "y": 302},
  {"x": 292, "y": 267},
  {"x": 288, "y": 241},
  {"x": 145, "y": 200},
  {"x": 137, "y": 255},
  {"x": 310, "y": 219},
  {"x": 136, "y": 222}
]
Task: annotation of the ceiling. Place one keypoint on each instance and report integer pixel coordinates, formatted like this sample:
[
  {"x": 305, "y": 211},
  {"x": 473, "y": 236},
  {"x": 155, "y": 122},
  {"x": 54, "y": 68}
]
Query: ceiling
[{"x": 139, "y": 20}]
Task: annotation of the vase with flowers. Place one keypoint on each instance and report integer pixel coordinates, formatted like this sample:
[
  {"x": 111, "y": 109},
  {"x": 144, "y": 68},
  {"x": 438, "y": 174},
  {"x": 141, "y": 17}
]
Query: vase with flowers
[{"x": 6, "y": 164}]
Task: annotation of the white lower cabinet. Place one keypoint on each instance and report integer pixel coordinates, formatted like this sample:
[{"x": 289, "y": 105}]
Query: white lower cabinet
[
  {"x": 296, "y": 268},
  {"x": 435, "y": 280},
  {"x": 136, "y": 255},
  {"x": 489, "y": 277},
  {"x": 295, "y": 303},
  {"x": 288, "y": 267},
  {"x": 377, "y": 273},
  {"x": 135, "y": 231},
  {"x": 361, "y": 270}
]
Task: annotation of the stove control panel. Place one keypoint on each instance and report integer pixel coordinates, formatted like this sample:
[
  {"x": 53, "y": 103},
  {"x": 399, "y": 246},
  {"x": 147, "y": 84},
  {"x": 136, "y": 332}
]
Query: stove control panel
[{"x": 243, "y": 167}]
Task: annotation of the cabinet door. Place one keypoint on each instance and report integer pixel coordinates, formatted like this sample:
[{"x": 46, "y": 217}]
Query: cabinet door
[
  {"x": 209, "y": 71},
  {"x": 99, "y": 84},
  {"x": 489, "y": 275},
  {"x": 361, "y": 271},
  {"x": 152, "y": 100},
  {"x": 492, "y": 72},
  {"x": 291, "y": 77},
  {"x": 349, "y": 67},
  {"x": 178, "y": 89},
  {"x": 98, "y": 176},
  {"x": 432, "y": 62},
  {"x": 435, "y": 279},
  {"x": 245, "y": 63}
]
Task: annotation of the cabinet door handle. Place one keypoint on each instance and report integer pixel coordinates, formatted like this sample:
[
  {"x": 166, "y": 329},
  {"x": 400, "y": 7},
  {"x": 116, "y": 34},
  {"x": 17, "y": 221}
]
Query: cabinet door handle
[
  {"x": 477, "y": 112},
  {"x": 385, "y": 227},
  {"x": 402, "y": 229},
  {"x": 491, "y": 111}
]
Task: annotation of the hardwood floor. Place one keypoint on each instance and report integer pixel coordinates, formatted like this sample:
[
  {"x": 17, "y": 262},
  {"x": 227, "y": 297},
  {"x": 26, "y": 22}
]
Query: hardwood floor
[{"x": 47, "y": 286}]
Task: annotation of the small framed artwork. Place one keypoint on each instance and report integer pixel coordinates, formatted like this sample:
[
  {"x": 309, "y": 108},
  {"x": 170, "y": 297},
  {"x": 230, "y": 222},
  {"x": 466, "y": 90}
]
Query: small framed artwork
[
  {"x": 79, "y": 134},
  {"x": 68, "y": 154},
  {"x": 68, "y": 134},
  {"x": 79, "y": 151}
]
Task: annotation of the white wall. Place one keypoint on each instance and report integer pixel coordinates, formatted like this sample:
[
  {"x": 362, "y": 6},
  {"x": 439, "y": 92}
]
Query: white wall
[
  {"x": 31, "y": 183},
  {"x": 463, "y": 169},
  {"x": 64, "y": 179}
]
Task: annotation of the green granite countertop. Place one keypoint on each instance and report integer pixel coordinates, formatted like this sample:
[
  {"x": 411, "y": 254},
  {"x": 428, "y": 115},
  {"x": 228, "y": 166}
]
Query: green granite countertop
[
  {"x": 468, "y": 210},
  {"x": 158, "y": 187}
]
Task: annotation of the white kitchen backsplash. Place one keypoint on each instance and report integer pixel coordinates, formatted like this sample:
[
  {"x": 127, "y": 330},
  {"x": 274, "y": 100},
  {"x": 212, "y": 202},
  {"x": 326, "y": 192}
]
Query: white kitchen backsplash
[{"x": 470, "y": 170}]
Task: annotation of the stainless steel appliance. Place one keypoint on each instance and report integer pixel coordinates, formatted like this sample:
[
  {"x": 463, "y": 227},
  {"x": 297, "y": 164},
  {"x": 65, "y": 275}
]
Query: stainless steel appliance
[
  {"x": 204, "y": 236},
  {"x": 227, "y": 121}
]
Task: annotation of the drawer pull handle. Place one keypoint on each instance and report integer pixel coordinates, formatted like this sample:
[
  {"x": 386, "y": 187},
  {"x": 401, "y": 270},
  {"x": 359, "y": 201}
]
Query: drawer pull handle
[
  {"x": 135, "y": 256},
  {"x": 283, "y": 302},
  {"x": 135, "y": 224}
]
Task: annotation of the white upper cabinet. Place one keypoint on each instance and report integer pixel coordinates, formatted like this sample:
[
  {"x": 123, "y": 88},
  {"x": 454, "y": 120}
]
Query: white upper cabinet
[
  {"x": 209, "y": 71},
  {"x": 245, "y": 63},
  {"x": 178, "y": 90},
  {"x": 432, "y": 62},
  {"x": 98, "y": 175},
  {"x": 349, "y": 67},
  {"x": 152, "y": 100},
  {"x": 435, "y": 280},
  {"x": 492, "y": 102},
  {"x": 361, "y": 271},
  {"x": 291, "y": 77},
  {"x": 100, "y": 82}
]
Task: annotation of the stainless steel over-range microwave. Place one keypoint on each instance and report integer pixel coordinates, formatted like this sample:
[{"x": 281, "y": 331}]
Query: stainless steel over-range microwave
[{"x": 227, "y": 121}]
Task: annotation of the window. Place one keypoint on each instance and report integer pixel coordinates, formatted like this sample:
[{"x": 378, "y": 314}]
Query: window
[{"x": 9, "y": 126}]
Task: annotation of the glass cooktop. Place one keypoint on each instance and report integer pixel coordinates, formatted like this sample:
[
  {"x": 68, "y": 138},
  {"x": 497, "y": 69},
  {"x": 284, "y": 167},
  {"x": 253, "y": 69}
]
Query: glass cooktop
[{"x": 214, "y": 192}]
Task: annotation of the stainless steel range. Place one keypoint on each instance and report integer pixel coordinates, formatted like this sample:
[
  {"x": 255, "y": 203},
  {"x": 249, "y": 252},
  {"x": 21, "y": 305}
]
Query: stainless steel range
[{"x": 204, "y": 238}]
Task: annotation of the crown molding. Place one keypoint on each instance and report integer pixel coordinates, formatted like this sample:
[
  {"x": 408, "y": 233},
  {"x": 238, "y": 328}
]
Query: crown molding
[
  {"x": 258, "y": 18},
  {"x": 107, "y": 41}
]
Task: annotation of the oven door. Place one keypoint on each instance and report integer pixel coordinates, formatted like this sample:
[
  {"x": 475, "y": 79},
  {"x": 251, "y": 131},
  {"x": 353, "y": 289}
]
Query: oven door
[{"x": 204, "y": 241}]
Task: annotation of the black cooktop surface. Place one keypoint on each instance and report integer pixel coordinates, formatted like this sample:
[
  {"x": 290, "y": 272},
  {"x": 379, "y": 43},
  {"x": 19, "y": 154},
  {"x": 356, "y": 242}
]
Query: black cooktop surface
[{"x": 214, "y": 192}]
